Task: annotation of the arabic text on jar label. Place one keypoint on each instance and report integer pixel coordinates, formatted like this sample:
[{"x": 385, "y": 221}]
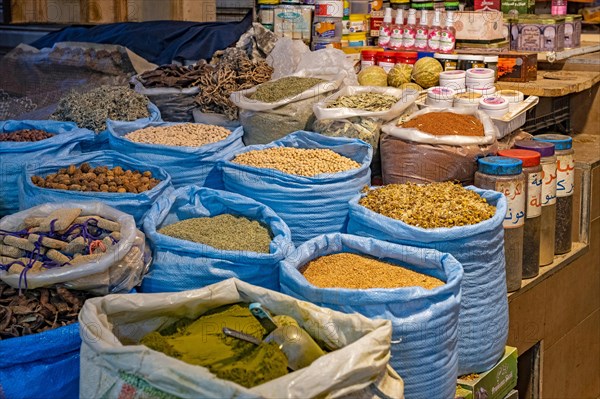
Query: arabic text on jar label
[
  {"x": 565, "y": 175},
  {"x": 534, "y": 195},
  {"x": 514, "y": 191},
  {"x": 549, "y": 186}
]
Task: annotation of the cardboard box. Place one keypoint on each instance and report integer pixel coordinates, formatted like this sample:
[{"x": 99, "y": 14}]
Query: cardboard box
[
  {"x": 478, "y": 26},
  {"x": 517, "y": 67},
  {"x": 462, "y": 393},
  {"x": 514, "y": 394},
  {"x": 495, "y": 383}
]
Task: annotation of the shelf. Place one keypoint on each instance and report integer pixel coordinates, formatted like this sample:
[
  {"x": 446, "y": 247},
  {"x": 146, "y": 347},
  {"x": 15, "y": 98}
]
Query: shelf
[
  {"x": 585, "y": 48},
  {"x": 555, "y": 84}
]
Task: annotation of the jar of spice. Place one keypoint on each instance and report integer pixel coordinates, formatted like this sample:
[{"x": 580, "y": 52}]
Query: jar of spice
[
  {"x": 386, "y": 60},
  {"x": 449, "y": 61},
  {"x": 533, "y": 208},
  {"x": 467, "y": 61},
  {"x": 491, "y": 62},
  {"x": 406, "y": 57},
  {"x": 565, "y": 186},
  {"x": 367, "y": 58},
  {"x": 505, "y": 175},
  {"x": 547, "y": 227}
]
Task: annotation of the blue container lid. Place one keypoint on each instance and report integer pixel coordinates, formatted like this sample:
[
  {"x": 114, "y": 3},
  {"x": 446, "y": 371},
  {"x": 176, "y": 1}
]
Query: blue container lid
[
  {"x": 560, "y": 141},
  {"x": 423, "y": 54},
  {"x": 500, "y": 166}
]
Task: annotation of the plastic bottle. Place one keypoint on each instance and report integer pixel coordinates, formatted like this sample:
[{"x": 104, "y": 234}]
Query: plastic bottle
[
  {"x": 448, "y": 35},
  {"x": 410, "y": 30},
  {"x": 435, "y": 32},
  {"x": 559, "y": 7},
  {"x": 396, "y": 41},
  {"x": 422, "y": 34},
  {"x": 385, "y": 30}
]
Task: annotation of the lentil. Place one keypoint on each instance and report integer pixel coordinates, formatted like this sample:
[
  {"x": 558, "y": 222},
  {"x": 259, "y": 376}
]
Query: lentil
[
  {"x": 446, "y": 124},
  {"x": 36, "y": 311},
  {"x": 98, "y": 179},
  {"x": 347, "y": 270},
  {"x": 26, "y": 135},
  {"x": 287, "y": 87},
  {"x": 367, "y": 101},
  {"x": 90, "y": 110},
  {"x": 430, "y": 205},
  {"x": 297, "y": 161},
  {"x": 226, "y": 232},
  {"x": 184, "y": 135}
]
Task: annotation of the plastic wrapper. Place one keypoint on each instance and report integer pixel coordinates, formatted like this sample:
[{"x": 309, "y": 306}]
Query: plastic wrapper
[
  {"x": 175, "y": 105},
  {"x": 119, "y": 270},
  {"x": 111, "y": 360},
  {"x": 409, "y": 155}
]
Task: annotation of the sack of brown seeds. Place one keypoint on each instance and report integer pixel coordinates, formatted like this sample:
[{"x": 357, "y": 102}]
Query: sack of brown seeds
[{"x": 82, "y": 246}]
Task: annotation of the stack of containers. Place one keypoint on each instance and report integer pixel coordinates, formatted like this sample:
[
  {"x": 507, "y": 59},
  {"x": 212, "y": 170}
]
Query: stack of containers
[
  {"x": 327, "y": 24},
  {"x": 455, "y": 80},
  {"x": 481, "y": 80}
]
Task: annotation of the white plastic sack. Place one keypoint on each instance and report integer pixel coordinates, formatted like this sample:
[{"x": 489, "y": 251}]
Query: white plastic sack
[
  {"x": 175, "y": 105},
  {"x": 489, "y": 129},
  {"x": 405, "y": 99},
  {"x": 108, "y": 367},
  {"x": 118, "y": 271}
]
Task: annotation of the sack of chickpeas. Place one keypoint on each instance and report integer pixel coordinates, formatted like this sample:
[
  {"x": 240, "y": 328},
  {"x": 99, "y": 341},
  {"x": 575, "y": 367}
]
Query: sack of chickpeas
[
  {"x": 189, "y": 152},
  {"x": 201, "y": 236},
  {"x": 129, "y": 185},
  {"x": 26, "y": 141},
  {"x": 417, "y": 289},
  {"x": 305, "y": 177}
]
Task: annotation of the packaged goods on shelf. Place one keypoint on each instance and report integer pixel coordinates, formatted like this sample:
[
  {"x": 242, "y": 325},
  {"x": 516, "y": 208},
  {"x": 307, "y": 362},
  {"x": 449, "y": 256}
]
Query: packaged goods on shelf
[
  {"x": 426, "y": 363},
  {"x": 517, "y": 67},
  {"x": 66, "y": 138},
  {"x": 191, "y": 164},
  {"x": 478, "y": 26},
  {"x": 478, "y": 248},
  {"x": 127, "y": 200},
  {"x": 362, "y": 351},
  {"x": 181, "y": 264},
  {"x": 538, "y": 33},
  {"x": 497, "y": 382},
  {"x": 322, "y": 199},
  {"x": 573, "y": 31},
  {"x": 293, "y": 21}
]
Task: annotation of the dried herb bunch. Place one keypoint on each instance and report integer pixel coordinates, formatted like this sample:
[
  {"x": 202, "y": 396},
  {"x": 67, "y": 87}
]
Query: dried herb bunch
[
  {"x": 90, "y": 110},
  {"x": 430, "y": 205},
  {"x": 36, "y": 311},
  {"x": 373, "y": 102}
]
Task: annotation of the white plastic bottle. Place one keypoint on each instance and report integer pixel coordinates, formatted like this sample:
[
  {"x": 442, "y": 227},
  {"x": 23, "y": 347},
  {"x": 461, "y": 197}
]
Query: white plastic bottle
[
  {"x": 410, "y": 30},
  {"x": 433, "y": 40},
  {"x": 396, "y": 40},
  {"x": 448, "y": 35},
  {"x": 422, "y": 34},
  {"x": 385, "y": 30}
]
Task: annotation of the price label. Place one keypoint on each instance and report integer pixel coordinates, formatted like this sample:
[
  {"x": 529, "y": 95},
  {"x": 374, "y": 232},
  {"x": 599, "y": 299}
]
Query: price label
[
  {"x": 534, "y": 195},
  {"x": 515, "y": 197},
  {"x": 565, "y": 175},
  {"x": 549, "y": 184}
]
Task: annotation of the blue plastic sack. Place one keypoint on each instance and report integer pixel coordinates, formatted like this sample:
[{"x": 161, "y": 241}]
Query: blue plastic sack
[
  {"x": 43, "y": 365},
  {"x": 134, "y": 204},
  {"x": 102, "y": 138},
  {"x": 14, "y": 155},
  {"x": 425, "y": 322},
  {"x": 483, "y": 321},
  {"x": 310, "y": 206},
  {"x": 186, "y": 165},
  {"x": 180, "y": 265}
]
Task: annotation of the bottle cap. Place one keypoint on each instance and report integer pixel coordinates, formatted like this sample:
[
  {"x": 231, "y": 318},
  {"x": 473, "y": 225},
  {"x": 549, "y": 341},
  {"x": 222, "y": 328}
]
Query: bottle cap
[
  {"x": 388, "y": 16},
  {"x": 560, "y": 141},
  {"x": 529, "y": 158},
  {"x": 412, "y": 16},
  {"x": 543, "y": 148},
  {"x": 480, "y": 73},
  {"x": 449, "y": 19},
  {"x": 493, "y": 103},
  {"x": 399, "y": 16},
  {"x": 423, "y": 21},
  {"x": 500, "y": 166},
  {"x": 441, "y": 56},
  {"x": 490, "y": 58}
]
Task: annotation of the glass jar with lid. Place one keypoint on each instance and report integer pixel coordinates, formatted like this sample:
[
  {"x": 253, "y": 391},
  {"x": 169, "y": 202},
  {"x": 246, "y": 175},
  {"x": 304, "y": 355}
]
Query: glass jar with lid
[
  {"x": 505, "y": 175},
  {"x": 548, "y": 222},
  {"x": 565, "y": 186},
  {"x": 533, "y": 208},
  {"x": 468, "y": 61}
]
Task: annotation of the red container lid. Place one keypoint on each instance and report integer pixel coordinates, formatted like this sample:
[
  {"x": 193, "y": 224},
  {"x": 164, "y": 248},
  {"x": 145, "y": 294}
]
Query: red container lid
[
  {"x": 369, "y": 53},
  {"x": 386, "y": 54},
  {"x": 408, "y": 54},
  {"x": 529, "y": 158}
]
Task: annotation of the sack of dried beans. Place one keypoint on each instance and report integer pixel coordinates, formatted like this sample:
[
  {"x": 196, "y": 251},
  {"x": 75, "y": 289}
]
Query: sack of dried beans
[
  {"x": 189, "y": 152},
  {"x": 305, "y": 177},
  {"x": 124, "y": 183},
  {"x": 466, "y": 223},
  {"x": 274, "y": 109},
  {"x": 201, "y": 236},
  {"x": 417, "y": 289},
  {"x": 22, "y": 142},
  {"x": 434, "y": 145},
  {"x": 128, "y": 348}
]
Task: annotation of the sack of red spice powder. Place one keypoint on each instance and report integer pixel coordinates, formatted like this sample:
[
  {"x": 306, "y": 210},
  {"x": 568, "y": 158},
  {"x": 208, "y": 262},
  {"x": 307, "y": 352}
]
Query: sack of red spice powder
[{"x": 410, "y": 155}]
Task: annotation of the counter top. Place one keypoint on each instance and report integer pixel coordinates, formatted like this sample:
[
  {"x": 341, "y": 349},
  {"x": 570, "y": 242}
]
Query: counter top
[{"x": 555, "y": 83}]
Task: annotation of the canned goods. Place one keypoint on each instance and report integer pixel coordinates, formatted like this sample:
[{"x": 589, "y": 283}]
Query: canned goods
[
  {"x": 329, "y": 8},
  {"x": 266, "y": 14}
]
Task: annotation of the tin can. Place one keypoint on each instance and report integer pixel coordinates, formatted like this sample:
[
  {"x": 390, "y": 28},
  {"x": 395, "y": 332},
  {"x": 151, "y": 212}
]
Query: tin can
[
  {"x": 329, "y": 8},
  {"x": 573, "y": 30},
  {"x": 538, "y": 33}
]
